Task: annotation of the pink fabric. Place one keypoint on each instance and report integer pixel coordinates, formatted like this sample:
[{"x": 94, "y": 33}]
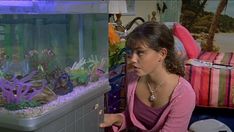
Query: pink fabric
[
  {"x": 213, "y": 86},
  {"x": 175, "y": 117},
  {"x": 187, "y": 40}
]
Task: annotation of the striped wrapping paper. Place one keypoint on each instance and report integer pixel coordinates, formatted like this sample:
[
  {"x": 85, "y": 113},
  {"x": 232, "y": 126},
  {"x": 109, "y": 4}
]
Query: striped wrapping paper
[{"x": 214, "y": 87}]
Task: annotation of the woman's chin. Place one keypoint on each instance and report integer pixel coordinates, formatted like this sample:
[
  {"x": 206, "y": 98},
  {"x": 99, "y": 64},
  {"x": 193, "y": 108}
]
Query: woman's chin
[{"x": 139, "y": 73}]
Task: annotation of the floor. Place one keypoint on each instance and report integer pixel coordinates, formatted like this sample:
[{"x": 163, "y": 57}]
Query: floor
[{"x": 226, "y": 116}]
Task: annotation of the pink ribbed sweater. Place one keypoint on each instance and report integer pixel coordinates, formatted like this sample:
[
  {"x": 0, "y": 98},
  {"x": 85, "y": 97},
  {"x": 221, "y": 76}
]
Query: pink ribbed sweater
[{"x": 175, "y": 117}]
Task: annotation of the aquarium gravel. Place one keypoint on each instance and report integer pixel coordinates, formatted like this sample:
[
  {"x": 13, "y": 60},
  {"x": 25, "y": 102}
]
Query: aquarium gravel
[{"x": 59, "y": 102}]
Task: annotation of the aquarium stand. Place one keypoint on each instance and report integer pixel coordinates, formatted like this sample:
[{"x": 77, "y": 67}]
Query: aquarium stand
[{"x": 83, "y": 114}]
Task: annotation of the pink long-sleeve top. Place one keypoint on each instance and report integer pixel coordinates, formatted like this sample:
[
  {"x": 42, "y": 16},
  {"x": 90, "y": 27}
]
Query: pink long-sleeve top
[{"x": 174, "y": 118}]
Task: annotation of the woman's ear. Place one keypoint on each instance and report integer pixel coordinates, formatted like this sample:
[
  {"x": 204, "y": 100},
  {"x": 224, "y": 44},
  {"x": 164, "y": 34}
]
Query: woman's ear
[{"x": 163, "y": 53}]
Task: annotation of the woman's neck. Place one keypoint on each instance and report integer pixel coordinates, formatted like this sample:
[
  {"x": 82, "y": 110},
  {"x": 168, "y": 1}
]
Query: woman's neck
[{"x": 159, "y": 77}]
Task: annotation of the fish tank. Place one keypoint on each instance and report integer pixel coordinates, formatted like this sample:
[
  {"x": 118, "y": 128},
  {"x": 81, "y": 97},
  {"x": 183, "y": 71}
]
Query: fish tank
[{"x": 53, "y": 53}]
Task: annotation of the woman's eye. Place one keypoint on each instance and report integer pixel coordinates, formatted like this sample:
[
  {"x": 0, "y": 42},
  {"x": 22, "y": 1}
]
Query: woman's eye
[
  {"x": 129, "y": 55},
  {"x": 139, "y": 53}
]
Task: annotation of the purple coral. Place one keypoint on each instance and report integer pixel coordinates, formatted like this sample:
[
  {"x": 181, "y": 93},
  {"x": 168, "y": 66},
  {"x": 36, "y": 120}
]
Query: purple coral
[{"x": 18, "y": 90}]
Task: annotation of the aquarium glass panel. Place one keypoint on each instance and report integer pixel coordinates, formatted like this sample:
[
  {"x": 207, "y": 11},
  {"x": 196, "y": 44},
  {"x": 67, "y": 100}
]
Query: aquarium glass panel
[
  {"x": 58, "y": 40},
  {"x": 55, "y": 44}
]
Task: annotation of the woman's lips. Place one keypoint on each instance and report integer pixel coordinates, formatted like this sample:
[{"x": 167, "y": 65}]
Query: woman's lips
[{"x": 136, "y": 68}]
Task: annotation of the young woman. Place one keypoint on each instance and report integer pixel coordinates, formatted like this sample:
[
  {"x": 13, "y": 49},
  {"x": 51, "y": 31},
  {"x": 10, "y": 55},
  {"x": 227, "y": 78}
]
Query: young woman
[{"x": 158, "y": 98}]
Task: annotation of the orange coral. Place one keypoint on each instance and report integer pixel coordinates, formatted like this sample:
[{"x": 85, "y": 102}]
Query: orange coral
[{"x": 113, "y": 36}]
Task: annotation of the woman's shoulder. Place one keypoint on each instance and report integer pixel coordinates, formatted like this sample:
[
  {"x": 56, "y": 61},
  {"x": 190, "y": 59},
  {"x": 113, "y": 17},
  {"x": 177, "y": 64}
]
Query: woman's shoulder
[
  {"x": 184, "y": 88},
  {"x": 183, "y": 95},
  {"x": 184, "y": 83}
]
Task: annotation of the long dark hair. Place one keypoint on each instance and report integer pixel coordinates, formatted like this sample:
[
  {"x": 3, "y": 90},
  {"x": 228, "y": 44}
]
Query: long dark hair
[{"x": 157, "y": 36}]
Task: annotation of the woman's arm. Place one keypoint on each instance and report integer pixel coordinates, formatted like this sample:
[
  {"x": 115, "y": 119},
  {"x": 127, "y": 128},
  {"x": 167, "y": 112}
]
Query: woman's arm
[
  {"x": 119, "y": 121},
  {"x": 112, "y": 119}
]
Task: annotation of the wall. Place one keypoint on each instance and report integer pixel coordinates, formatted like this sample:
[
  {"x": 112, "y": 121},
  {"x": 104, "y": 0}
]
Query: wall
[{"x": 144, "y": 8}]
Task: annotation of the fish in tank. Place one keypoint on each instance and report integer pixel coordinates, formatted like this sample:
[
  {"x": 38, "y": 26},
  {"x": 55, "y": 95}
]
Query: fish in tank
[{"x": 46, "y": 58}]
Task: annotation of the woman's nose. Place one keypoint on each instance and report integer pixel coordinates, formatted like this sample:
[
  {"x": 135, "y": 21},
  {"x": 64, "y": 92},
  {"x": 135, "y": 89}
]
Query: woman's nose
[{"x": 132, "y": 58}]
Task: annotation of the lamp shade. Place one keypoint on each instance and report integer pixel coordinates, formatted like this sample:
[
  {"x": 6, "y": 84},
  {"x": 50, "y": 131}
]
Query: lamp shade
[{"x": 117, "y": 6}]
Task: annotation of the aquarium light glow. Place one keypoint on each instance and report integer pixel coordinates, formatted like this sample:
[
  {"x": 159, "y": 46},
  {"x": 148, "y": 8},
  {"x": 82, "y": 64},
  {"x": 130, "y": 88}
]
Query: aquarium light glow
[{"x": 16, "y": 3}]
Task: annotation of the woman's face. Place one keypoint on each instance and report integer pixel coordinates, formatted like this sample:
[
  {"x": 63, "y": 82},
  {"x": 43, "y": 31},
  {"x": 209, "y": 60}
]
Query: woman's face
[{"x": 145, "y": 60}]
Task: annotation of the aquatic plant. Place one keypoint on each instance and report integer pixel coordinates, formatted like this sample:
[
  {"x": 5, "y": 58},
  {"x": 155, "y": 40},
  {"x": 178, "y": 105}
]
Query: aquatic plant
[
  {"x": 3, "y": 56},
  {"x": 78, "y": 65},
  {"x": 32, "y": 57},
  {"x": 97, "y": 69},
  {"x": 17, "y": 90},
  {"x": 22, "y": 105},
  {"x": 92, "y": 61},
  {"x": 79, "y": 76},
  {"x": 1, "y": 74},
  {"x": 41, "y": 58},
  {"x": 46, "y": 96}
]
